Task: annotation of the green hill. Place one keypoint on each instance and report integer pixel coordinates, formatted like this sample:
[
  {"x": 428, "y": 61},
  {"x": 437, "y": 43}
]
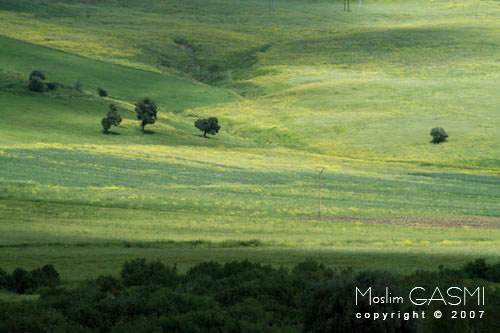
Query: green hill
[{"x": 296, "y": 85}]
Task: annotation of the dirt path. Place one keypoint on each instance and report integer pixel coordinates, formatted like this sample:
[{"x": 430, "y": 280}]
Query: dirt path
[
  {"x": 190, "y": 50},
  {"x": 479, "y": 222}
]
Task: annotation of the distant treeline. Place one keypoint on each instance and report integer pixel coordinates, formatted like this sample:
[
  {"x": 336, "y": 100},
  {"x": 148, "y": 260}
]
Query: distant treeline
[{"x": 244, "y": 297}]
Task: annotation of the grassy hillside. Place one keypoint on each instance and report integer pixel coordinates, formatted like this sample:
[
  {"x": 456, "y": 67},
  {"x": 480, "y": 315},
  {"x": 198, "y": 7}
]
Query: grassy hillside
[
  {"x": 122, "y": 83},
  {"x": 355, "y": 92}
]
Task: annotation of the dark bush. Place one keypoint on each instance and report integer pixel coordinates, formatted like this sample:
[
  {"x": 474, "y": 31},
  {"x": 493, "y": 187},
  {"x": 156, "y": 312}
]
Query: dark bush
[
  {"x": 179, "y": 40},
  {"x": 102, "y": 92},
  {"x": 36, "y": 84},
  {"x": 493, "y": 273},
  {"x": 211, "y": 269},
  {"x": 52, "y": 85},
  {"x": 38, "y": 74},
  {"x": 438, "y": 135},
  {"x": 5, "y": 280},
  {"x": 22, "y": 281},
  {"x": 107, "y": 283},
  {"x": 137, "y": 272},
  {"x": 476, "y": 269},
  {"x": 46, "y": 276}
]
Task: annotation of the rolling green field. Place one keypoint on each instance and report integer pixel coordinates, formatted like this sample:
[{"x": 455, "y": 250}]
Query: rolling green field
[{"x": 297, "y": 86}]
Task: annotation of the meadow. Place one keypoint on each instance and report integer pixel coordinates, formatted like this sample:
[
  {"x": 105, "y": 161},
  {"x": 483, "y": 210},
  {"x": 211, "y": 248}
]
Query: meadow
[{"x": 296, "y": 87}]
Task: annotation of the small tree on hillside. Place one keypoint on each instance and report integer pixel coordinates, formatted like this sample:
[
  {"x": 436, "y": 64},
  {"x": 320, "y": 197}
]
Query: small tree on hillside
[
  {"x": 52, "y": 85},
  {"x": 438, "y": 135},
  {"x": 36, "y": 84},
  {"x": 37, "y": 81},
  {"x": 146, "y": 112},
  {"x": 37, "y": 73},
  {"x": 210, "y": 126},
  {"x": 112, "y": 118},
  {"x": 102, "y": 92}
]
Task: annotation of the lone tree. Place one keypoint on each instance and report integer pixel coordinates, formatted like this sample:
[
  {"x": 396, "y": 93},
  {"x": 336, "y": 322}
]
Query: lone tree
[
  {"x": 36, "y": 84},
  {"x": 102, "y": 92},
  {"x": 37, "y": 73},
  {"x": 37, "y": 81},
  {"x": 146, "y": 112},
  {"x": 112, "y": 118},
  {"x": 210, "y": 126},
  {"x": 438, "y": 135}
]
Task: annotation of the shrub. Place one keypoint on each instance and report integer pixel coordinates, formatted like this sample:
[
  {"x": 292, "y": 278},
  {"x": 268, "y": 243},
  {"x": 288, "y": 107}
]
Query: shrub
[
  {"x": 45, "y": 276},
  {"x": 137, "y": 272},
  {"x": 5, "y": 282},
  {"x": 38, "y": 74},
  {"x": 107, "y": 283},
  {"x": 493, "y": 273},
  {"x": 438, "y": 135},
  {"x": 210, "y": 268},
  {"x": 36, "y": 84},
  {"x": 477, "y": 268},
  {"x": 22, "y": 281},
  {"x": 102, "y": 92},
  {"x": 179, "y": 40},
  {"x": 52, "y": 85},
  {"x": 79, "y": 85}
]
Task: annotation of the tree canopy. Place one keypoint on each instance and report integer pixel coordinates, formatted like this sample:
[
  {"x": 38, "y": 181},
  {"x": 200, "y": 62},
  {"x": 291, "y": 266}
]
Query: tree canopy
[
  {"x": 112, "y": 118},
  {"x": 208, "y": 126},
  {"x": 146, "y": 110}
]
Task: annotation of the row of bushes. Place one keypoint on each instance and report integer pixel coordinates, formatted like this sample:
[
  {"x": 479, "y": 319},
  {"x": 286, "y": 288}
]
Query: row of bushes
[
  {"x": 22, "y": 281},
  {"x": 37, "y": 83},
  {"x": 238, "y": 297}
]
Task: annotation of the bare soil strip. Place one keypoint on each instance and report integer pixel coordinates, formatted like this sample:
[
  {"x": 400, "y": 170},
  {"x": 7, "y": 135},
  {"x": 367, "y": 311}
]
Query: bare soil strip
[{"x": 480, "y": 222}]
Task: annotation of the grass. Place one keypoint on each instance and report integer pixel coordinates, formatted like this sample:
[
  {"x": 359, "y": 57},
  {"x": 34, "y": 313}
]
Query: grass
[
  {"x": 123, "y": 83},
  {"x": 295, "y": 89}
]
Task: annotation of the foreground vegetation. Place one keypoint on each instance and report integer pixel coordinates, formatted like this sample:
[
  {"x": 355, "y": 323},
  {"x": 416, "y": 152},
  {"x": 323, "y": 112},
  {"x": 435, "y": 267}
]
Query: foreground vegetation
[{"x": 244, "y": 297}]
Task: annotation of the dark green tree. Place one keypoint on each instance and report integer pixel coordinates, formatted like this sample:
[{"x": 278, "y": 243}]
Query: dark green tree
[
  {"x": 102, "y": 92},
  {"x": 112, "y": 118},
  {"x": 438, "y": 135},
  {"x": 146, "y": 110},
  {"x": 208, "y": 126},
  {"x": 52, "y": 85},
  {"x": 36, "y": 84},
  {"x": 37, "y": 73}
]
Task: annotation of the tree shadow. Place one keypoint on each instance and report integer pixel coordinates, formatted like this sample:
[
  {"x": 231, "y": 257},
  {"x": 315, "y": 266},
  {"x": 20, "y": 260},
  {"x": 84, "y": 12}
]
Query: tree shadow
[
  {"x": 205, "y": 137},
  {"x": 110, "y": 133}
]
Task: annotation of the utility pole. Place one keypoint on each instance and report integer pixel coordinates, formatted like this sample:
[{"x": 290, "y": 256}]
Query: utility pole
[
  {"x": 271, "y": 6},
  {"x": 319, "y": 191},
  {"x": 347, "y": 5}
]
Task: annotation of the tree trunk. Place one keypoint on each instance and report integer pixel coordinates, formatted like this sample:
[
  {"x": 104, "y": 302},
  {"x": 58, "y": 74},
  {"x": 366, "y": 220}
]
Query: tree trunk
[
  {"x": 142, "y": 127},
  {"x": 205, "y": 134}
]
